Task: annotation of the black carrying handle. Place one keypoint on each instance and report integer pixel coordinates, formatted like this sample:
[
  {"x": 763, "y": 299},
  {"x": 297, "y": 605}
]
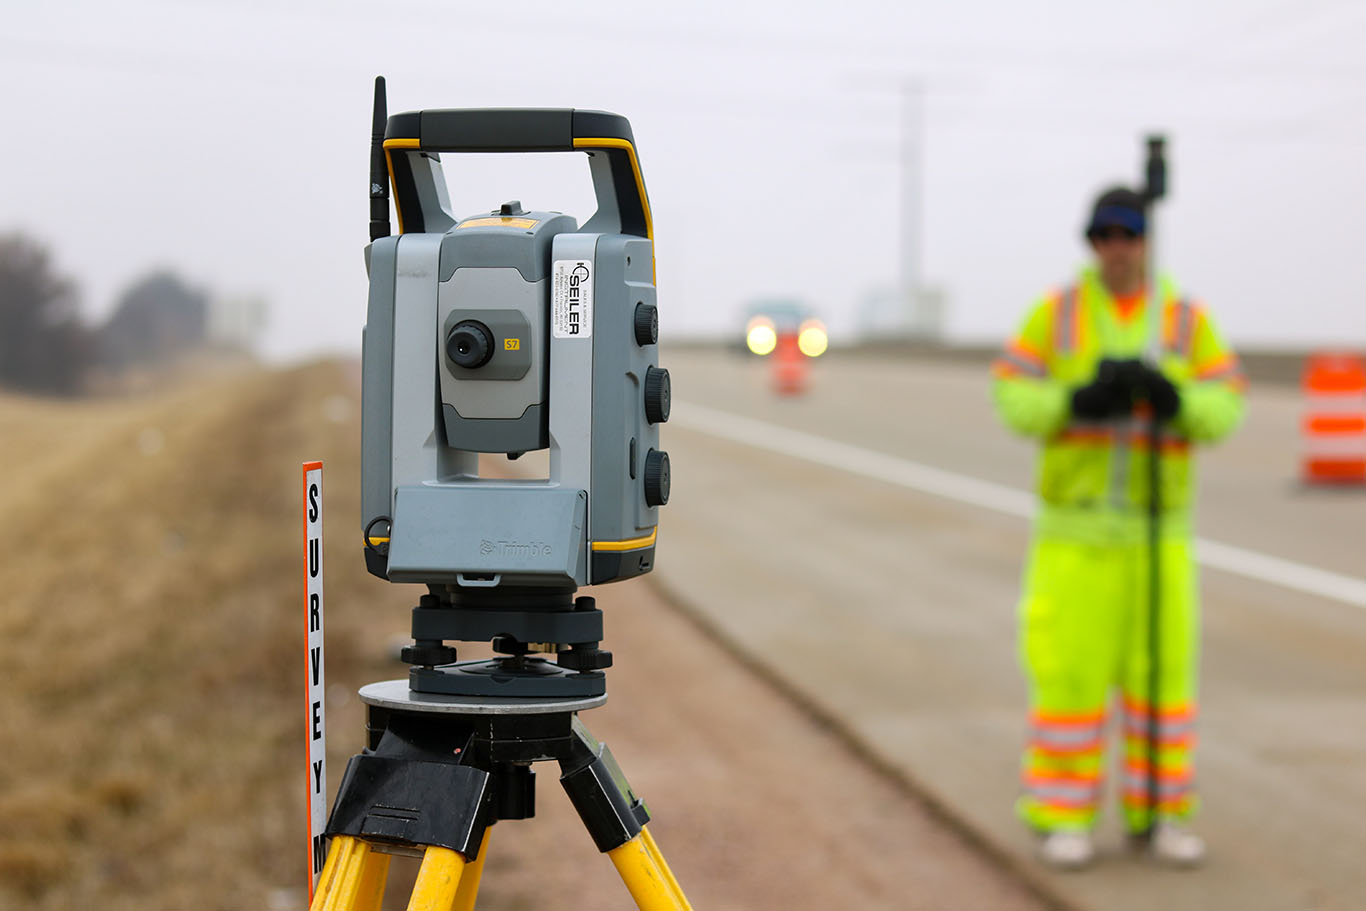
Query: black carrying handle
[{"x": 619, "y": 186}]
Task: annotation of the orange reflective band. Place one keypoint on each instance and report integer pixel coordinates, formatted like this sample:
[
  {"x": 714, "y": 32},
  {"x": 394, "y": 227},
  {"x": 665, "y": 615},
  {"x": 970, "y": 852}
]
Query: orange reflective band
[
  {"x": 1045, "y": 718},
  {"x": 1181, "y": 711},
  {"x": 1139, "y": 798},
  {"x": 1335, "y": 469},
  {"x": 1179, "y": 776},
  {"x": 1345, "y": 423},
  {"x": 1072, "y": 750},
  {"x": 1078, "y": 779},
  {"x": 1023, "y": 349}
]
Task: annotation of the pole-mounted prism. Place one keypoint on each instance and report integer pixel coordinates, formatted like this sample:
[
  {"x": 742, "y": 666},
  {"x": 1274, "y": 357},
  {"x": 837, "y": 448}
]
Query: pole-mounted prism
[{"x": 1156, "y": 186}]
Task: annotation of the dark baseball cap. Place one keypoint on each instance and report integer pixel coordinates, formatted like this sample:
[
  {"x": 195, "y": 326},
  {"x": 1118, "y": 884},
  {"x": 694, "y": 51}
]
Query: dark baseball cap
[{"x": 1118, "y": 207}]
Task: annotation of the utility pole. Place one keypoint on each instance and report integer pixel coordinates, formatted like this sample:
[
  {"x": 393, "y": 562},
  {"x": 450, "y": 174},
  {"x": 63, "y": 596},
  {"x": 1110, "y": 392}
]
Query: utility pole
[{"x": 911, "y": 91}]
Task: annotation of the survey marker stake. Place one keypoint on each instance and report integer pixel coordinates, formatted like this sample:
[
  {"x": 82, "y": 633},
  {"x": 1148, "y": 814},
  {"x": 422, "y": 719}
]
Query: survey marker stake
[{"x": 315, "y": 748}]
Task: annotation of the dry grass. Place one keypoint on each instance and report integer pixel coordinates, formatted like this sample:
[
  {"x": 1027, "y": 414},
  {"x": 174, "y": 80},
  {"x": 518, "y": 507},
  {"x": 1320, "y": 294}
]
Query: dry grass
[
  {"x": 152, "y": 721},
  {"x": 151, "y": 639}
]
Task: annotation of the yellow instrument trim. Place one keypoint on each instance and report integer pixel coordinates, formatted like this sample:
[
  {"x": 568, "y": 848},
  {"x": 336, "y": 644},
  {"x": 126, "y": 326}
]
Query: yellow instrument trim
[
  {"x": 612, "y": 143},
  {"x": 375, "y": 541},
  {"x": 498, "y": 221},
  {"x": 389, "y": 163},
  {"x": 630, "y": 544}
]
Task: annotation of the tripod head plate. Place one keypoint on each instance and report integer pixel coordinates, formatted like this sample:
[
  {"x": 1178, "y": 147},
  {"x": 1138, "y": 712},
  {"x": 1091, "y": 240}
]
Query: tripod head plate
[{"x": 395, "y": 694}]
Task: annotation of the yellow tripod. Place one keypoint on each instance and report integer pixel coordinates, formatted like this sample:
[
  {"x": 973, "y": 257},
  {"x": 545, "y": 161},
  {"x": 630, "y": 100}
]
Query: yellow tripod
[{"x": 441, "y": 770}]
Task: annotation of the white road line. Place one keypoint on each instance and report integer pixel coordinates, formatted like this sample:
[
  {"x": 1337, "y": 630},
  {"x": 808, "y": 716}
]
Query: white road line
[{"x": 996, "y": 497}]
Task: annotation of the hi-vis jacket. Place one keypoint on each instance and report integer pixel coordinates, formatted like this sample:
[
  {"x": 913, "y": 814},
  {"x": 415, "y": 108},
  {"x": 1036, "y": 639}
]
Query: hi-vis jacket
[{"x": 1093, "y": 476}]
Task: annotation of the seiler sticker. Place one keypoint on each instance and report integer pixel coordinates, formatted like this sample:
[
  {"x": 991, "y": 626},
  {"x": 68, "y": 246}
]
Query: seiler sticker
[{"x": 571, "y": 298}]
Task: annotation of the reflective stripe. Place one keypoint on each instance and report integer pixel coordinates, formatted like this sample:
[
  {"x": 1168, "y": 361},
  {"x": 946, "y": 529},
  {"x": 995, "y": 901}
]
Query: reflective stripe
[
  {"x": 1175, "y": 726},
  {"x": 1183, "y": 336},
  {"x": 1171, "y": 733},
  {"x": 1016, "y": 363},
  {"x": 1064, "y": 794},
  {"x": 1065, "y": 332},
  {"x": 1066, "y": 737},
  {"x": 1138, "y": 784}
]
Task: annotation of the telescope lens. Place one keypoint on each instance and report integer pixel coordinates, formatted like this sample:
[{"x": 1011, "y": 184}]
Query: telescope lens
[{"x": 470, "y": 344}]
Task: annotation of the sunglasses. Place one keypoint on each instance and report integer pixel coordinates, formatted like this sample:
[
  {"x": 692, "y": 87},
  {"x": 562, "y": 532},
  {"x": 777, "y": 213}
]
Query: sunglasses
[{"x": 1101, "y": 235}]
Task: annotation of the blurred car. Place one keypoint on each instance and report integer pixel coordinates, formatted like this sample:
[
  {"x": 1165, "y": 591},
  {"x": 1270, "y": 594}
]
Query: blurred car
[{"x": 770, "y": 323}]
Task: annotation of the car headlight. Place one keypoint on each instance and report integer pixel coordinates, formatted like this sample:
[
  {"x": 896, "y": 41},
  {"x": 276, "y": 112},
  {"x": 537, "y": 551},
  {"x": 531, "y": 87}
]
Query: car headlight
[
  {"x": 760, "y": 335},
  {"x": 811, "y": 338}
]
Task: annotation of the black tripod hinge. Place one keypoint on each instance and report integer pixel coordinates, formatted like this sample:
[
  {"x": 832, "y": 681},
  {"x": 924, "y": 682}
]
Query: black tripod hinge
[
  {"x": 413, "y": 802},
  {"x": 610, "y": 810}
]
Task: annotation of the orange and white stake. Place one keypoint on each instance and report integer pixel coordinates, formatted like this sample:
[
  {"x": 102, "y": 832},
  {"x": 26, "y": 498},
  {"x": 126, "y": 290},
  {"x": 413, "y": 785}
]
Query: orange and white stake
[{"x": 316, "y": 717}]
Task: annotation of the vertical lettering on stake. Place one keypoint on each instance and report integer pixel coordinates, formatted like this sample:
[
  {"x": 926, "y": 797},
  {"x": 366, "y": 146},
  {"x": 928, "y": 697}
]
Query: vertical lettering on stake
[{"x": 316, "y": 715}]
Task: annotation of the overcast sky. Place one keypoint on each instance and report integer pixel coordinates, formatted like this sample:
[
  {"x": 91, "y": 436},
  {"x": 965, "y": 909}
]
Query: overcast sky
[{"x": 229, "y": 141}]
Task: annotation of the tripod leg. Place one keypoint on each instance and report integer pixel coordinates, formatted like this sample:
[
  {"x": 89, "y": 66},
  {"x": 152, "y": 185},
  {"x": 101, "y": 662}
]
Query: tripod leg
[
  {"x": 616, "y": 819},
  {"x": 370, "y": 895},
  {"x": 469, "y": 882},
  {"x": 653, "y": 848},
  {"x": 646, "y": 876},
  {"x": 352, "y": 879},
  {"x": 438, "y": 880}
]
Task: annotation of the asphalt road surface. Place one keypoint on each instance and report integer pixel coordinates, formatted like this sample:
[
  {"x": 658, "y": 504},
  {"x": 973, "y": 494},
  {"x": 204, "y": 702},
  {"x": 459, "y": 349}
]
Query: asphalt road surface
[{"x": 862, "y": 544}]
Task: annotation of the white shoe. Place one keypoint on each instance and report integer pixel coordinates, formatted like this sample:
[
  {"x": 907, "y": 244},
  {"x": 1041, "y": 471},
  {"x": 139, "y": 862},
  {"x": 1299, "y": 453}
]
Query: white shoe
[
  {"x": 1067, "y": 849},
  {"x": 1174, "y": 844}
]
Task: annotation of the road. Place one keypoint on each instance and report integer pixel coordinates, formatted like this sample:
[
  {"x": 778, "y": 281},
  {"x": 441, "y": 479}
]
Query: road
[{"x": 890, "y": 611}]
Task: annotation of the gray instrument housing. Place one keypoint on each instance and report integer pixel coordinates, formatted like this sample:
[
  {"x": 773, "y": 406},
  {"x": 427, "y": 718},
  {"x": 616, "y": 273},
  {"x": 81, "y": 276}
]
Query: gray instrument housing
[{"x": 425, "y": 420}]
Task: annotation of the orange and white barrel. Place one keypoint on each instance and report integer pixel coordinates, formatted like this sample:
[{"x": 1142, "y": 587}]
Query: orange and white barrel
[{"x": 1334, "y": 422}]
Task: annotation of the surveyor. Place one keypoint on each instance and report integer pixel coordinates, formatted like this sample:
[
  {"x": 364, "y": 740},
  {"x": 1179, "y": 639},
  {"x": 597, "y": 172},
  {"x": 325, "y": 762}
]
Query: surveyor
[{"x": 1076, "y": 378}]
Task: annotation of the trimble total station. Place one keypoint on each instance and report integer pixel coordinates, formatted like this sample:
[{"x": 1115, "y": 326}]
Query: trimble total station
[{"x": 506, "y": 332}]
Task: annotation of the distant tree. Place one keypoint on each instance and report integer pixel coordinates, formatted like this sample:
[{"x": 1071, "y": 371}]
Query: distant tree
[
  {"x": 43, "y": 346},
  {"x": 159, "y": 317}
]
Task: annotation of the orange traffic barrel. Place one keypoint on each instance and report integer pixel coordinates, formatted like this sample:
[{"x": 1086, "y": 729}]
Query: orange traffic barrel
[
  {"x": 789, "y": 366},
  {"x": 1334, "y": 425}
]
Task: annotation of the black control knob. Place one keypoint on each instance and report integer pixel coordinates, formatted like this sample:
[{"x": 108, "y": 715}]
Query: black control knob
[
  {"x": 657, "y": 395},
  {"x": 647, "y": 324},
  {"x": 469, "y": 344},
  {"x": 427, "y": 653},
  {"x": 656, "y": 478}
]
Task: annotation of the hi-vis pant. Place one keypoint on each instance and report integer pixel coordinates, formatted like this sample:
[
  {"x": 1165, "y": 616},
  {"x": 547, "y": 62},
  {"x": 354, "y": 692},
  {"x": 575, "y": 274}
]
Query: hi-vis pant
[{"x": 1084, "y": 636}]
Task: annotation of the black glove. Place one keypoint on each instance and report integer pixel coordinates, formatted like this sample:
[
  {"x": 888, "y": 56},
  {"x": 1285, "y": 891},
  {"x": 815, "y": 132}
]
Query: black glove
[
  {"x": 1161, "y": 394},
  {"x": 1110, "y": 393}
]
